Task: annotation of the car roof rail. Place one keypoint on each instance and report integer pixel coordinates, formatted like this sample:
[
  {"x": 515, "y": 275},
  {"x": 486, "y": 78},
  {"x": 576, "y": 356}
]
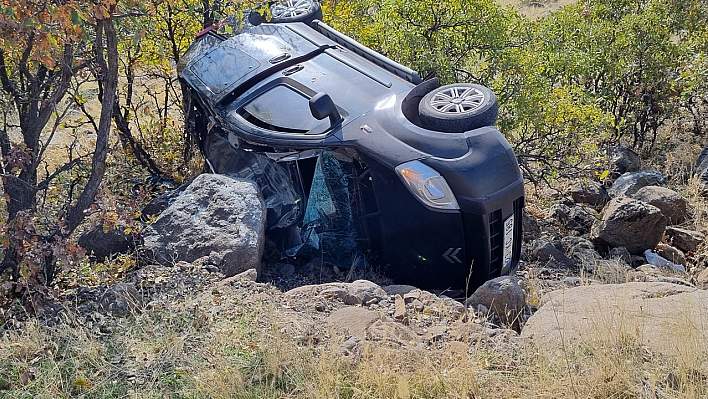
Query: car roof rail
[{"x": 352, "y": 45}]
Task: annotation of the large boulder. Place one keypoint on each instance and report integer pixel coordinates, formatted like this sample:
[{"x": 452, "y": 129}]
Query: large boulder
[
  {"x": 630, "y": 223},
  {"x": 650, "y": 312},
  {"x": 216, "y": 216},
  {"x": 630, "y": 182},
  {"x": 671, "y": 203}
]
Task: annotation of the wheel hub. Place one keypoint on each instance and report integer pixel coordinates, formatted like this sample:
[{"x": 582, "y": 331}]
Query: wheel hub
[{"x": 457, "y": 100}]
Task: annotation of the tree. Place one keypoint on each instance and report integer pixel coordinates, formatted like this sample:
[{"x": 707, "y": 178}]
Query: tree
[{"x": 45, "y": 45}]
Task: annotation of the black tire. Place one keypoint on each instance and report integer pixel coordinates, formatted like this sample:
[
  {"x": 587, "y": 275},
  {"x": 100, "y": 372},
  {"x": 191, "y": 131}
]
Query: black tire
[
  {"x": 295, "y": 11},
  {"x": 458, "y": 108}
]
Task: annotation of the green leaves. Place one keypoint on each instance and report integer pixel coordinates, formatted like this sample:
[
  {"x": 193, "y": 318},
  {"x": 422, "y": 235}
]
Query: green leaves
[{"x": 592, "y": 72}]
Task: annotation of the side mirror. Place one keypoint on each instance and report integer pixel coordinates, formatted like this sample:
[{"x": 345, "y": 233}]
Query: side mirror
[{"x": 322, "y": 106}]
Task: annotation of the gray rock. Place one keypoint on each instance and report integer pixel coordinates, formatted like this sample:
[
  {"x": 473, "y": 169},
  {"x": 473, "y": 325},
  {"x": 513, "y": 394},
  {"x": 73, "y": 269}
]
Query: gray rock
[
  {"x": 684, "y": 239},
  {"x": 649, "y": 312},
  {"x": 629, "y": 223},
  {"x": 622, "y": 160},
  {"x": 702, "y": 279},
  {"x": 671, "y": 203},
  {"x": 576, "y": 218},
  {"x": 161, "y": 202},
  {"x": 629, "y": 183},
  {"x": 548, "y": 254},
  {"x": 398, "y": 289},
  {"x": 362, "y": 292},
  {"x": 503, "y": 296},
  {"x": 102, "y": 243},
  {"x": 352, "y": 321},
  {"x": 589, "y": 192},
  {"x": 530, "y": 227},
  {"x": 581, "y": 251},
  {"x": 121, "y": 299},
  {"x": 351, "y": 346},
  {"x": 248, "y": 275},
  {"x": 392, "y": 332},
  {"x": 216, "y": 216},
  {"x": 622, "y": 254},
  {"x": 702, "y": 167},
  {"x": 356, "y": 293}
]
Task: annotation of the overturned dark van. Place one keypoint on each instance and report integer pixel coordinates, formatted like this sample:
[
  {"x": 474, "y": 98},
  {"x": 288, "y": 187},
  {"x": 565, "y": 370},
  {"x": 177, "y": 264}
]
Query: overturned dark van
[{"x": 355, "y": 154}]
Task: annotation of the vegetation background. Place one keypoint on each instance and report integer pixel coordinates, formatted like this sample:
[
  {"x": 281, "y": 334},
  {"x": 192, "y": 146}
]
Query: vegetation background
[{"x": 91, "y": 106}]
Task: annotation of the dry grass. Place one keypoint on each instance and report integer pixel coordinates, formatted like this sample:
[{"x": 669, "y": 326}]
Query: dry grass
[{"x": 186, "y": 353}]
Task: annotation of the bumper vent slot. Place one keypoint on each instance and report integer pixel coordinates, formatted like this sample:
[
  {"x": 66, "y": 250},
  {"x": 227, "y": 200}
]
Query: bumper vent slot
[{"x": 496, "y": 243}]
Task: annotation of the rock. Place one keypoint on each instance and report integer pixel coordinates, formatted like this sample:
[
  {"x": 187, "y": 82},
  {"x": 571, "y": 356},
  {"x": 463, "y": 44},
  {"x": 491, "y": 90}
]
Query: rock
[
  {"x": 671, "y": 253},
  {"x": 669, "y": 202},
  {"x": 629, "y": 183},
  {"x": 465, "y": 331},
  {"x": 411, "y": 296},
  {"x": 121, "y": 299},
  {"x": 684, "y": 239},
  {"x": 216, "y": 216},
  {"x": 651, "y": 273},
  {"x": 351, "y": 346},
  {"x": 621, "y": 254},
  {"x": 392, "y": 332},
  {"x": 398, "y": 289},
  {"x": 547, "y": 253},
  {"x": 400, "y": 312},
  {"x": 449, "y": 307},
  {"x": 248, "y": 275},
  {"x": 356, "y": 293},
  {"x": 503, "y": 296},
  {"x": 622, "y": 160},
  {"x": 102, "y": 243},
  {"x": 363, "y": 292},
  {"x": 702, "y": 280},
  {"x": 581, "y": 251},
  {"x": 629, "y": 223},
  {"x": 702, "y": 167},
  {"x": 529, "y": 226},
  {"x": 638, "y": 260},
  {"x": 352, "y": 321},
  {"x": 161, "y": 202},
  {"x": 577, "y": 218},
  {"x": 589, "y": 192},
  {"x": 662, "y": 316}
]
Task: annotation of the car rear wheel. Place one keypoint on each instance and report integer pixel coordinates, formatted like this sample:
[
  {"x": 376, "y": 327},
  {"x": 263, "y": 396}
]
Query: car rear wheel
[
  {"x": 458, "y": 107},
  {"x": 295, "y": 11}
]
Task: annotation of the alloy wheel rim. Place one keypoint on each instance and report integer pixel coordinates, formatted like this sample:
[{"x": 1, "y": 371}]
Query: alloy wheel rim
[
  {"x": 290, "y": 8},
  {"x": 457, "y": 100}
]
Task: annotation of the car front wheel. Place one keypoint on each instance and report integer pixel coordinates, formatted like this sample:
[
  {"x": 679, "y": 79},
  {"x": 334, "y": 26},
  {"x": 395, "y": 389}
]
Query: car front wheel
[
  {"x": 458, "y": 108},
  {"x": 295, "y": 11}
]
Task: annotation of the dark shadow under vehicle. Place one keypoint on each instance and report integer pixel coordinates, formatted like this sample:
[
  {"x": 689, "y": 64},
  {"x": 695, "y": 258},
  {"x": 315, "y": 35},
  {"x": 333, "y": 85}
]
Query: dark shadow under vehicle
[{"x": 356, "y": 154}]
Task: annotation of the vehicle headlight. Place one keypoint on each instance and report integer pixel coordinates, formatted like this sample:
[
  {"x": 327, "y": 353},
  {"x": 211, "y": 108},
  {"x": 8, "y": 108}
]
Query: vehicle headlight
[{"x": 427, "y": 185}]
